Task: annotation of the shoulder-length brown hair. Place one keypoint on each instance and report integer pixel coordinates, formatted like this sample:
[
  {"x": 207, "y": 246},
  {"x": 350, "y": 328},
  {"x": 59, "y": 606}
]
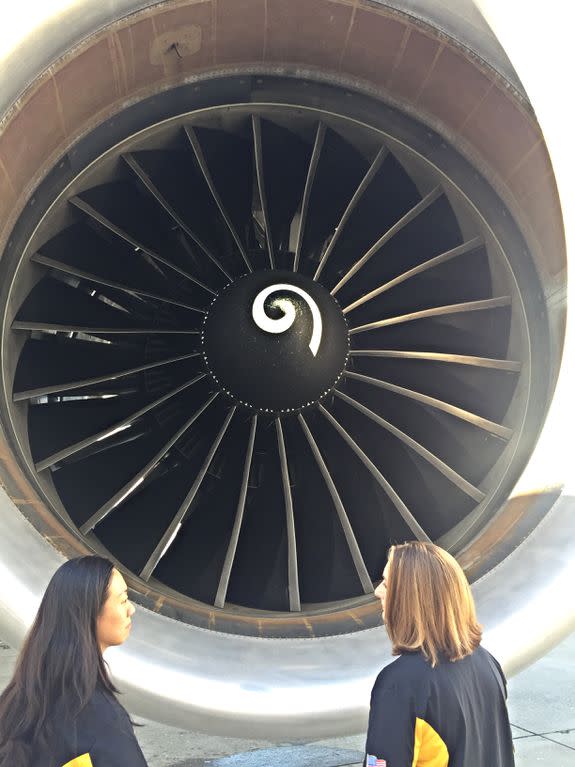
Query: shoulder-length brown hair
[{"x": 428, "y": 604}]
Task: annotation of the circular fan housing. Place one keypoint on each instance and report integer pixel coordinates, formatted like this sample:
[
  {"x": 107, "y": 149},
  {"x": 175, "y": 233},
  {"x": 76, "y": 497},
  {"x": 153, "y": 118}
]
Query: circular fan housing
[{"x": 256, "y": 343}]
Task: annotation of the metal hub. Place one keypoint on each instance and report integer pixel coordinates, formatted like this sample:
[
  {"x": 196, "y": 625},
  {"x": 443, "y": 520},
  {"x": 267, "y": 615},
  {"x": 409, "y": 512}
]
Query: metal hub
[{"x": 275, "y": 341}]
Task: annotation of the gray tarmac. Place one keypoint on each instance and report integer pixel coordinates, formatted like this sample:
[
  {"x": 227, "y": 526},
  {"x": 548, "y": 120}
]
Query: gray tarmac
[{"x": 541, "y": 707}]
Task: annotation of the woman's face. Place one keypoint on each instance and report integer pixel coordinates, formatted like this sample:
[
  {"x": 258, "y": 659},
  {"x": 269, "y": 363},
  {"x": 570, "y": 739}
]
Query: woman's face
[
  {"x": 380, "y": 591},
  {"x": 114, "y": 621}
]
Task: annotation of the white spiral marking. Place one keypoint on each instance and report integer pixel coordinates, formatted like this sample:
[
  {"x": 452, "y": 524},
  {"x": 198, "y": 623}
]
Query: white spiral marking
[{"x": 289, "y": 313}]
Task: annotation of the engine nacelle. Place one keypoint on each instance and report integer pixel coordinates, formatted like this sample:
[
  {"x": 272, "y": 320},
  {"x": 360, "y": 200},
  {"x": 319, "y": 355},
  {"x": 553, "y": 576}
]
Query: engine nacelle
[{"x": 281, "y": 284}]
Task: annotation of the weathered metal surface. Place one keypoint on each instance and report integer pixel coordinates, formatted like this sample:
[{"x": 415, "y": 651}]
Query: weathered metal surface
[{"x": 363, "y": 46}]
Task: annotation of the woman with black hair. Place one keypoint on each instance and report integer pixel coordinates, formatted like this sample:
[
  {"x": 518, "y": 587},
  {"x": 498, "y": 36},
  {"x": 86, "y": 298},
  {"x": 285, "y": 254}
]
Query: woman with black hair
[{"x": 60, "y": 708}]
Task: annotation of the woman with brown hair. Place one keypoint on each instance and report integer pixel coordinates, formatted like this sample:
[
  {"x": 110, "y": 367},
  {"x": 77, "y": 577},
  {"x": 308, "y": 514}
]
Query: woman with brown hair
[
  {"x": 443, "y": 701},
  {"x": 60, "y": 708}
]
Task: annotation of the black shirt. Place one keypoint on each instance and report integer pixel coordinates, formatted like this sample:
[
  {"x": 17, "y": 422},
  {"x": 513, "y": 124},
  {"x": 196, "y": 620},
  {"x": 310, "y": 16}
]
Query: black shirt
[
  {"x": 454, "y": 714},
  {"x": 102, "y": 731}
]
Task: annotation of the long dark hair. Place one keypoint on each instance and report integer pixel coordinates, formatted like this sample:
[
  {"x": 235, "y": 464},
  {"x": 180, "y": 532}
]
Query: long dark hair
[{"x": 60, "y": 664}]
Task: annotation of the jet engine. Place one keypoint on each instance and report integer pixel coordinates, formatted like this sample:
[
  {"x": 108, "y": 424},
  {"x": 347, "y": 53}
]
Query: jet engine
[{"x": 281, "y": 284}]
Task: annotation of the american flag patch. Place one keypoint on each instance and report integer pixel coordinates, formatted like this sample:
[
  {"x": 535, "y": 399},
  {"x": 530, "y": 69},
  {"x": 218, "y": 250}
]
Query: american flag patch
[{"x": 373, "y": 761}]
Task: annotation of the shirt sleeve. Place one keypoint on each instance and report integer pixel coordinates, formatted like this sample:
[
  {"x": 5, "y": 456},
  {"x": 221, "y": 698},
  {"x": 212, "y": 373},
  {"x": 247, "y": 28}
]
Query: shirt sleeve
[
  {"x": 391, "y": 728},
  {"x": 117, "y": 749},
  {"x": 499, "y": 670}
]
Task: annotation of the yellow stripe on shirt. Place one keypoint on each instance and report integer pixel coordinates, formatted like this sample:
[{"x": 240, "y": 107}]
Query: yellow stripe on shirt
[
  {"x": 429, "y": 750},
  {"x": 80, "y": 761}
]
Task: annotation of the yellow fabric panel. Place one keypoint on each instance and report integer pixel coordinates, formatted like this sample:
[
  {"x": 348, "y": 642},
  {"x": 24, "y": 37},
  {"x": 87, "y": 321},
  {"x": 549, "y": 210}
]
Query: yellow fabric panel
[
  {"x": 80, "y": 761},
  {"x": 429, "y": 750}
]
